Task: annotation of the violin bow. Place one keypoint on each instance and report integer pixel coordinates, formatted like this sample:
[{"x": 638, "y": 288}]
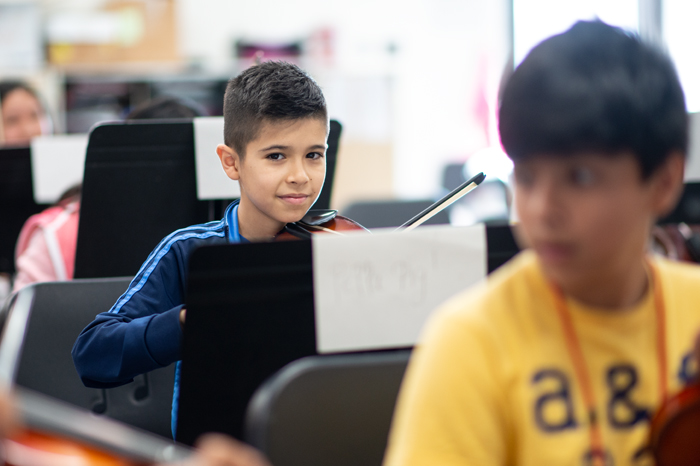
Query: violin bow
[{"x": 452, "y": 197}]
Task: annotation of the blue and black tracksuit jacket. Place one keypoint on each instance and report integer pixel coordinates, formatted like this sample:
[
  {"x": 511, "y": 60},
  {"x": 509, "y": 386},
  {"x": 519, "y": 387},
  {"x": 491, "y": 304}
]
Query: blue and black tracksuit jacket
[{"x": 142, "y": 332}]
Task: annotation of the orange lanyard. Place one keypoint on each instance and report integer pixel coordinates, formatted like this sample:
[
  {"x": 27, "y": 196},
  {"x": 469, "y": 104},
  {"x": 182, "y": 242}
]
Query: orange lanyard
[{"x": 573, "y": 347}]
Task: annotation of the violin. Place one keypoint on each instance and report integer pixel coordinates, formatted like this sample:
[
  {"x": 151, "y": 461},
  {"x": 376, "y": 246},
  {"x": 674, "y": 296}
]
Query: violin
[
  {"x": 55, "y": 433},
  {"x": 674, "y": 435},
  {"x": 318, "y": 221},
  {"x": 328, "y": 221}
]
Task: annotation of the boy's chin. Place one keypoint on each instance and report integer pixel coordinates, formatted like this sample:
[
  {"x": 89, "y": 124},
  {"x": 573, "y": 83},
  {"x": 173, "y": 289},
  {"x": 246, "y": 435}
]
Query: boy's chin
[
  {"x": 558, "y": 272},
  {"x": 293, "y": 217}
]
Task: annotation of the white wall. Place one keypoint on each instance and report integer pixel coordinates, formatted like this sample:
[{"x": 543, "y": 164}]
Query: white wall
[{"x": 421, "y": 98}]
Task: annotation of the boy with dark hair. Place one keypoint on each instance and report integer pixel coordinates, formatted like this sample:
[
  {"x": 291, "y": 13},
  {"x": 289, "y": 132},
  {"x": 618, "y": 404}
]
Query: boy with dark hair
[
  {"x": 562, "y": 355},
  {"x": 279, "y": 161}
]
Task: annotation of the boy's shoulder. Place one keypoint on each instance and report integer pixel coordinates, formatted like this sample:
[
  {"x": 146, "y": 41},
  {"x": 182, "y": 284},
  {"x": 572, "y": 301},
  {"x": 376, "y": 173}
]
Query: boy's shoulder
[
  {"x": 192, "y": 235},
  {"x": 678, "y": 276},
  {"x": 173, "y": 251},
  {"x": 195, "y": 234}
]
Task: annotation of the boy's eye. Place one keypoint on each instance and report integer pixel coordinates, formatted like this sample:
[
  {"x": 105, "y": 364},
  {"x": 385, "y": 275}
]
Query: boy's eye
[
  {"x": 275, "y": 156},
  {"x": 314, "y": 155},
  {"x": 582, "y": 176}
]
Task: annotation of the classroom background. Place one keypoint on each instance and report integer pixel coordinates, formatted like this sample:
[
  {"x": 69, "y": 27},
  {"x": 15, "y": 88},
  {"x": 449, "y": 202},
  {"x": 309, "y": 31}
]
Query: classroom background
[{"x": 414, "y": 83}]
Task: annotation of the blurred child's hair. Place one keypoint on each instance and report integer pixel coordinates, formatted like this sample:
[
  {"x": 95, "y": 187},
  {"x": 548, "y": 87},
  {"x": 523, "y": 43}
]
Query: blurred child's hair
[
  {"x": 164, "y": 107},
  {"x": 272, "y": 91},
  {"x": 8, "y": 86},
  {"x": 594, "y": 88}
]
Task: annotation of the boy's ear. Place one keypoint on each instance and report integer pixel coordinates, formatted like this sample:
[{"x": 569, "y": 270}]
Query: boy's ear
[
  {"x": 230, "y": 161},
  {"x": 669, "y": 183}
]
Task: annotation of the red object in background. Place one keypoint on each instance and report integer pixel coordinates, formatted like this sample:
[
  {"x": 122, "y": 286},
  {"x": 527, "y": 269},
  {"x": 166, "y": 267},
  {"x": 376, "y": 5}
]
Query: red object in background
[{"x": 258, "y": 51}]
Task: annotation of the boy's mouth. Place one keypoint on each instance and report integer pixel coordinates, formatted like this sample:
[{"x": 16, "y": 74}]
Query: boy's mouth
[
  {"x": 295, "y": 199},
  {"x": 554, "y": 252}
]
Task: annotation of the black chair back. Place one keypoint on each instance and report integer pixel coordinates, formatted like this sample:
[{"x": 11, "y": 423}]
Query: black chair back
[
  {"x": 324, "y": 199},
  {"x": 322, "y": 410},
  {"x": 16, "y": 192},
  {"x": 35, "y": 353}
]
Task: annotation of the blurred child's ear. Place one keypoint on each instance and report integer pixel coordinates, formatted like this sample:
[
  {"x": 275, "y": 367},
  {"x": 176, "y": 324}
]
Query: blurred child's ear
[
  {"x": 230, "y": 161},
  {"x": 668, "y": 181}
]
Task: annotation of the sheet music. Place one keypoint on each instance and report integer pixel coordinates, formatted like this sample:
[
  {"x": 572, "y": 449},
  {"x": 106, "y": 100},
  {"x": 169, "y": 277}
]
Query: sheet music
[
  {"x": 212, "y": 182},
  {"x": 58, "y": 162},
  {"x": 374, "y": 291}
]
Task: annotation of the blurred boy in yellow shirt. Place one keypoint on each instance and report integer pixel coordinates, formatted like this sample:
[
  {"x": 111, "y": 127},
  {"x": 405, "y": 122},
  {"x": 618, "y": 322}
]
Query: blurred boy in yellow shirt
[{"x": 561, "y": 357}]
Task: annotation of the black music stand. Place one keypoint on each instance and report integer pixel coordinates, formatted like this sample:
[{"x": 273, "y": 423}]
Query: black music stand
[
  {"x": 139, "y": 186},
  {"x": 500, "y": 246},
  {"x": 688, "y": 208},
  {"x": 16, "y": 192},
  {"x": 250, "y": 311}
]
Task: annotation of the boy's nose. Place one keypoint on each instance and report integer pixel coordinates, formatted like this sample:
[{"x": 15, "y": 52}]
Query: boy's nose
[{"x": 297, "y": 173}]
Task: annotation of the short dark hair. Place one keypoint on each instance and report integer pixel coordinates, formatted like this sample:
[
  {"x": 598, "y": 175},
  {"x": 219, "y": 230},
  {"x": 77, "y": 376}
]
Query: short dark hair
[
  {"x": 595, "y": 88},
  {"x": 271, "y": 91},
  {"x": 7, "y": 87},
  {"x": 166, "y": 106}
]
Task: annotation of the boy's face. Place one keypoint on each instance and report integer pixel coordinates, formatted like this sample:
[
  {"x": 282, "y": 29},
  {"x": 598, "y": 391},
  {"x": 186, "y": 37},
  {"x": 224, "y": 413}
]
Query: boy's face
[
  {"x": 281, "y": 174},
  {"x": 588, "y": 216}
]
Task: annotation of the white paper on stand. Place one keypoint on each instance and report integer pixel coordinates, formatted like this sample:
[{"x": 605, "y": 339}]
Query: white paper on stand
[
  {"x": 375, "y": 291},
  {"x": 58, "y": 163},
  {"x": 212, "y": 182}
]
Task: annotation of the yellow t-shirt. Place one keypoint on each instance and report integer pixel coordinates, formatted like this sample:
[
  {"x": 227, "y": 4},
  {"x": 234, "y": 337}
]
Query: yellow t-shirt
[{"x": 492, "y": 382}]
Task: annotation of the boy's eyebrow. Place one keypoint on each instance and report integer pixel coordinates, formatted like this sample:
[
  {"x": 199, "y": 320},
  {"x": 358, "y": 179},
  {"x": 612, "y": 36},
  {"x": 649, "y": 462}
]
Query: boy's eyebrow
[
  {"x": 281, "y": 147},
  {"x": 274, "y": 146}
]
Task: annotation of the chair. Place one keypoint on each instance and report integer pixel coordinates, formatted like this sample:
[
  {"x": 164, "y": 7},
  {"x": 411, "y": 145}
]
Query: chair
[
  {"x": 324, "y": 198},
  {"x": 146, "y": 402},
  {"x": 16, "y": 192},
  {"x": 332, "y": 409},
  {"x": 382, "y": 214},
  {"x": 35, "y": 352}
]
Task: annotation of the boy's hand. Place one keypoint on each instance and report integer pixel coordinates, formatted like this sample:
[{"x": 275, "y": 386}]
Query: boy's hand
[
  {"x": 221, "y": 450},
  {"x": 183, "y": 311}
]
